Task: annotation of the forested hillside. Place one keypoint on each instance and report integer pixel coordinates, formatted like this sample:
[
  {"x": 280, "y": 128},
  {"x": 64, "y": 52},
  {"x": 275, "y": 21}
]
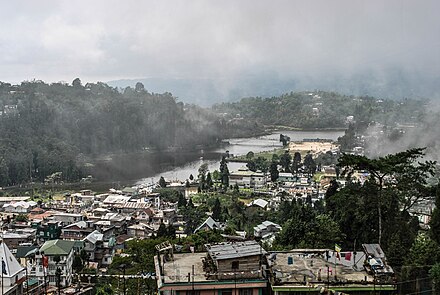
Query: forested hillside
[
  {"x": 323, "y": 110},
  {"x": 49, "y": 128}
]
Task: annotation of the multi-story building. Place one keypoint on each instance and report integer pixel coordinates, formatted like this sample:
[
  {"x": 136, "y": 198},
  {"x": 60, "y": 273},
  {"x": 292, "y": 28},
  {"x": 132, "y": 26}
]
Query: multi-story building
[
  {"x": 59, "y": 255},
  {"x": 100, "y": 247},
  {"x": 77, "y": 231},
  {"x": 47, "y": 230},
  {"x": 13, "y": 238},
  {"x": 68, "y": 218},
  {"x": 243, "y": 177}
]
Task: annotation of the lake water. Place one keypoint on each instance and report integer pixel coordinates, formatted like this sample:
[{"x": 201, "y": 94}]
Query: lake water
[{"x": 177, "y": 169}]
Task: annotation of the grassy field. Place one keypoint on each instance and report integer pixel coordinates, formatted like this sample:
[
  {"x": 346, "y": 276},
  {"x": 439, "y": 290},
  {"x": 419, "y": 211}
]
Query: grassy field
[{"x": 267, "y": 155}]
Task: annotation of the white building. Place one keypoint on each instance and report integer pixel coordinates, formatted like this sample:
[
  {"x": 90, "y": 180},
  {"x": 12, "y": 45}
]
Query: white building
[
  {"x": 267, "y": 230},
  {"x": 19, "y": 207},
  {"x": 13, "y": 273},
  {"x": 53, "y": 250},
  {"x": 243, "y": 177}
]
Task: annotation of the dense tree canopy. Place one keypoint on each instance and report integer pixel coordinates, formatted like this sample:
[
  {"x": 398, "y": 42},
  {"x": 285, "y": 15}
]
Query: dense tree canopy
[
  {"x": 47, "y": 128},
  {"x": 321, "y": 110}
]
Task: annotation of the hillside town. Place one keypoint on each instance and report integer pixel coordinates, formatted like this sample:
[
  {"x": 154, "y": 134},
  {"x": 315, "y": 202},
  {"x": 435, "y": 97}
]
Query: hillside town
[{"x": 66, "y": 244}]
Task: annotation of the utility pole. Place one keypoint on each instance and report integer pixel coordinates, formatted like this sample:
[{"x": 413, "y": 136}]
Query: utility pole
[
  {"x": 27, "y": 277},
  {"x": 124, "y": 280},
  {"x": 58, "y": 274},
  {"x": 3, "y": 270},
  {"x": 123, "y": 266}
]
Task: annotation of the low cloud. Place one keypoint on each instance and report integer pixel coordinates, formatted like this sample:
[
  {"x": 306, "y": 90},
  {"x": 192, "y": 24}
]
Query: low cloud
[{"x": 318, "y": 44}]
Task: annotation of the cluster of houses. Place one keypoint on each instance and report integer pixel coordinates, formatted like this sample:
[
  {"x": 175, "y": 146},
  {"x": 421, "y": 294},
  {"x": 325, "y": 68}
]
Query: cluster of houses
[
  {"x": 245, "y": 268},
  {"x": 296, "y": 185},
  {"x": 42, "y": 240},
  {"x": 39, "y": 248},
  {"x": 39, "y": 242}
]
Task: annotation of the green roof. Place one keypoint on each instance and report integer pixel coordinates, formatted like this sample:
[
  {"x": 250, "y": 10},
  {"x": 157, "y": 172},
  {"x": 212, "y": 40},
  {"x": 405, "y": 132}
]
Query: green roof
[
  {"x": 32, "y": 282},
  {"x": 79, "y": 244},
  {"x": 23, "y": 250},
  {"x": 57, "y": 247},
  {"x": 128, "y": 189}
]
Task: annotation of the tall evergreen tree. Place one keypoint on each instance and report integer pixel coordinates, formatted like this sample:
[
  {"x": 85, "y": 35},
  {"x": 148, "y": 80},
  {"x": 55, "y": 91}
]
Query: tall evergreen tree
[
  {"x": 285, "y": 161},
  {"x": 209, "y": 182},
  {"x": 274, "y": 173},
  {"x": 216, "y": 210},
  {"x": 162, "y": 182},
  {"x": 224, "y": 172},
  {"x": 181, "y": 203},
  {"x": 171, "y": 231},
  {"x": 162, "y": 230},
  {"x": 405, "y": 174},
  {"x": 310, "y": 164},
  {"x": 434, "y": 223}
]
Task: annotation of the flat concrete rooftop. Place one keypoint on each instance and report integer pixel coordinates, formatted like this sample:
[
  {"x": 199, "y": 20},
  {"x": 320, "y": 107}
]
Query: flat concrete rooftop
[
  {"x": 177, "y": 270},
  {"x": 293, "y": 267}
]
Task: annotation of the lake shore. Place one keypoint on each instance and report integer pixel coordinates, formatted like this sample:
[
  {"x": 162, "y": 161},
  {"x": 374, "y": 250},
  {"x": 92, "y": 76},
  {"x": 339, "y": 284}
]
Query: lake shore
[{"x": 121, "y": 169}]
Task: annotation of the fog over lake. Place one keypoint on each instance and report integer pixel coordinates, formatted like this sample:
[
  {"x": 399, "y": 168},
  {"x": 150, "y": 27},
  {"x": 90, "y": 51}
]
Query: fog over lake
[{"x": 176, "y": 169}]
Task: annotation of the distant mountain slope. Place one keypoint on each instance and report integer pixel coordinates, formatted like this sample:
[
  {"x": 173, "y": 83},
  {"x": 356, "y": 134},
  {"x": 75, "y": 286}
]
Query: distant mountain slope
[
  {"x": 205, "y": 92},
  {"x": 393, "y": 84}
]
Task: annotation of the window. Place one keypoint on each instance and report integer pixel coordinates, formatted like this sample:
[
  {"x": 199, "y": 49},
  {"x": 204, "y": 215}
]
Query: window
[
  {"x": 245, "y": 292},
  {"x": 235, "y": 264}
]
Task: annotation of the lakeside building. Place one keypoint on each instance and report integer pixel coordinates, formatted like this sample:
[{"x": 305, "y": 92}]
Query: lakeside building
[
  {"x": 315, "y": 146},
  {"x": 245, "y": 178}
]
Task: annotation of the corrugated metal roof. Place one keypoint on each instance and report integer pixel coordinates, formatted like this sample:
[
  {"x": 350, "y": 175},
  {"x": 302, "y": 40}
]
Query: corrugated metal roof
[
  {"x": 57, "y": 247},
  {"x": 374, "y": 250},
  {"x": 230, "y": 250}
]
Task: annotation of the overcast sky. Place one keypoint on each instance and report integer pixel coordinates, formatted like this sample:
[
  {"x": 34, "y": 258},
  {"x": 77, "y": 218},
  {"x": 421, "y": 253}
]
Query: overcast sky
[{"x": 105, "y": 40}]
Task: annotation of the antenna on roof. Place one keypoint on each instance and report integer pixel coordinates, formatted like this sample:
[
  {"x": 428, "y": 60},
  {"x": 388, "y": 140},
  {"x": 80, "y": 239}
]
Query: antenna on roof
[{"x": 164, "y": 247}]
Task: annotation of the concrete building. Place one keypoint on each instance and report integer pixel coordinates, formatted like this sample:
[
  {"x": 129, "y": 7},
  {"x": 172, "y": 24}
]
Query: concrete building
[
  {"x": 77, "y": 231},
  {"x": 21, "y": 207},
  {"x": 225, "y": 269},
  {"x": 243, "y": 177},
  {"x": 100, "y": 247},
  {"x": 52, "y": 249},
  {"x": 67, "y": 218},
  {"x": 14, "y": 238},
  {"x": 267, "y": 230},
  {"x": 317, "y": 271},
  {"x": 140, "y": 230}
]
